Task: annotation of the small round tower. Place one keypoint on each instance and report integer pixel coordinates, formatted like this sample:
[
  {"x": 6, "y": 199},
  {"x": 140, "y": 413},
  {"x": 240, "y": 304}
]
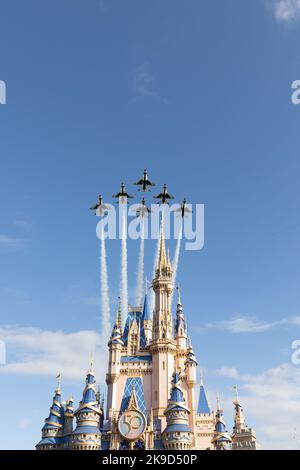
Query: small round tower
[
  {"x": 52, "y": 430},
  {"x": 177, "y": 435},
  {"x": 87, "y": 435}
]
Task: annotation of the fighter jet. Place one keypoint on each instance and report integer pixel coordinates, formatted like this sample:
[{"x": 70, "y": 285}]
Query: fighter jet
[
  {"x": 183, "y": 209},
  {"x": 144, "y": 183},
  {"x": 122, "y": 195},
  {"x": 164, "y": 196},
  {"x": 143, "y": 209},
  {"x": 100, "y": 208}
]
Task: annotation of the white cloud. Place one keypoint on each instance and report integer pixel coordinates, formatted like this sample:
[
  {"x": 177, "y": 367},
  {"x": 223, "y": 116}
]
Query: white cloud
[
  {"x": 230, "y": 372},
  {"x": 286, "y": 10},
  {"x": 44, "y": 352},
  {"x": 144, "y": 82},
  {"x": 12, "y": 242},
  {"x": 272, "y": 398},
  {"x": 245, "y": 324}
]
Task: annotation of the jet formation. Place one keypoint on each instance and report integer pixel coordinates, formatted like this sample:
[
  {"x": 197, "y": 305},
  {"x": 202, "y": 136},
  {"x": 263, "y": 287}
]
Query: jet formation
[{"x": 144, "y": 184}]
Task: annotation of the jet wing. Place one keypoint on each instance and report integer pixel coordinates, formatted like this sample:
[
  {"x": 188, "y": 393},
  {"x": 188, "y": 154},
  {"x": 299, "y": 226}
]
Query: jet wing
[
  {"x": 159, "y": 196},
  {"x": 139, "y": 183}
]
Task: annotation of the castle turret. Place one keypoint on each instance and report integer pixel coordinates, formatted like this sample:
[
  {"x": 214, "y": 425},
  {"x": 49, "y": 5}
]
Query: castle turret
[
  {"x": 190, "y": 365},
  {"x": 180, "y": 334},
  {"x": 243, "y": 438},
  {"x": 87, "y": 435},
  {"x": 52, "y": 430},
  {"x": 115, "y": 345},
  {"x": 178, "y": 434},
  {"x": 221, "y": 439},
  {"x": 68, "y": 417},
  {"x": 162, "y": 346}
]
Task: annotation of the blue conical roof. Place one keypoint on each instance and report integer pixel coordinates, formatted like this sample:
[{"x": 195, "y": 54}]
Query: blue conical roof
[
  {"x": 180, "y": 322},
  {"x": 89, "y": 400},
  {"x": 221, "y": 435},
  {"x": 55, "y": 418},
  {"x": 203, "y": 407},
  {"x": 191, "y": 358},
  {"x": 116, "y": 335},
  {"x": 176, "y": 392},
  {"x": 177, "y": 413},
  {"x": 176, "y": 400}
]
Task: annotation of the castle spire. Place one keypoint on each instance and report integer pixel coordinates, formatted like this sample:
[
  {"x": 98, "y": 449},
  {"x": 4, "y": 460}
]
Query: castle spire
[
  {"x": 53, "y": 428},
  {"x": 239, "y": 418},
  {"x": 191, "y": 358},
  {"x": 221, "y": 439},
  {"x": 163, "y": 344},
  {"x": 87, "y": 434},
  {"x": 162, "y": 259},
  {"x": 180, "y": 324},
  {"x": 243, "y": 437},
  {"x": 177, "y": 434},
  {"x": 203, "y": 407}
]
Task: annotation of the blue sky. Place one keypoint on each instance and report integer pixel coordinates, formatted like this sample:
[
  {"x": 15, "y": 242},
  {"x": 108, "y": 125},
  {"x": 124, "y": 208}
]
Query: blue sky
[{"x": 198, "y": 92}]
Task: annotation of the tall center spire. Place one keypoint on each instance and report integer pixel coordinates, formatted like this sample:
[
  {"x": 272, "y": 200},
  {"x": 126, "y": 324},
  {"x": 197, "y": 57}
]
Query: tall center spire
[
  {"x": 163, "y": 345},
  {"x": 163, "y": 287},
  {"x": 163, "y": 262}
]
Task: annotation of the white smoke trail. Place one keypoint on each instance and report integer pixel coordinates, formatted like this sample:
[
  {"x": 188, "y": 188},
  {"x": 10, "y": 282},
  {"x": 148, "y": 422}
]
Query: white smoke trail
[
  {"x": 123, "y": 280},
  {"x": 104, "y": 290},
  {"x": 152, "y": 295},
  {"x": 176, "y": 255},
  {"x": 140, "y": 269}
]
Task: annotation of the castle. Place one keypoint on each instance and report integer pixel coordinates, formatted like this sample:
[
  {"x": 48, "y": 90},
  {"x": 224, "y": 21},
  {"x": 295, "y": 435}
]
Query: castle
[{"x": 152, "y": 384}]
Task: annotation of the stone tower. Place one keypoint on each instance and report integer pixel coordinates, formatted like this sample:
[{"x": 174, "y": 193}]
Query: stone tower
[
  {"x": 243, "y": 438},
  {"x": 163, "y": 345}
]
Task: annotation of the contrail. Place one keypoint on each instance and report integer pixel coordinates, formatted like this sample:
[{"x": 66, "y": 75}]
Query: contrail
[
  {"x": 104, "y": 290},
  {"x": 152, "y": 295},
  {"x": 123, "y": 280},
  {"x": 140, "y": 269},
  {"x": 175, "y": 261}
]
